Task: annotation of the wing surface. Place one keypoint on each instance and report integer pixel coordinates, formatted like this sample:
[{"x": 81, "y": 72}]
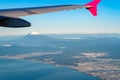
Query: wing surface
[{"x": 37, "y": 10}]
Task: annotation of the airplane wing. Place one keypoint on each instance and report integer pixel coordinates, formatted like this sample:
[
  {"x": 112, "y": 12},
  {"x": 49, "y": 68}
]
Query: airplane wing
[
  {"x": 37, "y": 10},
  {"x": 10, "y": 17}
]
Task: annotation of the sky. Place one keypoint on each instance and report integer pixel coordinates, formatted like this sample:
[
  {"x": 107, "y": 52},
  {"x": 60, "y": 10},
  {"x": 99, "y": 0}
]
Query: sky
[{"x": 66, "y": 22}]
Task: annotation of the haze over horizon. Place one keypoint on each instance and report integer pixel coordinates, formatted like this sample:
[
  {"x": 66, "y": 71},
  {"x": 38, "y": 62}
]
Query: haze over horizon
[
  {"x": 66, "y": 22},
  {"x": 39, "y": 33}
]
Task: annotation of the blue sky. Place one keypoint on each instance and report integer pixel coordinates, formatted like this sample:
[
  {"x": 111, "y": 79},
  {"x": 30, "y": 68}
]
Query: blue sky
[{"x": 73, "y": 21}]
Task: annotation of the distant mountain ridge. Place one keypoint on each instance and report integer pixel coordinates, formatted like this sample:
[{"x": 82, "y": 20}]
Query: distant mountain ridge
[
  {"x": 32, "y": 40},
  {"x": 35, "y": 39},
  {"x": 39, "y": 37},
  {"x": 65, "y": 36}
]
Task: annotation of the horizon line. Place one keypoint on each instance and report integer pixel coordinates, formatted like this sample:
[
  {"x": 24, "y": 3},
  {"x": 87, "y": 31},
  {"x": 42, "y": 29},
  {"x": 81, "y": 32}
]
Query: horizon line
[{"x": 63, "y": 34}]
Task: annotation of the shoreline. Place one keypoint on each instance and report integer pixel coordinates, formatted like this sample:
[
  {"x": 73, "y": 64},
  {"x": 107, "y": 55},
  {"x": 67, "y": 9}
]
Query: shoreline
[
  {"x": 64, "y": 66},
  {"x": 57, "y": 65}
]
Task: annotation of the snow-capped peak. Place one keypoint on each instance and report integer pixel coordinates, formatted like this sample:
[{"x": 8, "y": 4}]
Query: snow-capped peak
[{"x": 34, "y": 33}]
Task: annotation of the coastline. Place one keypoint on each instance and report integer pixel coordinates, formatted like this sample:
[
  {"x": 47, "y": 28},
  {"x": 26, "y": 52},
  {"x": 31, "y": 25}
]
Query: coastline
[
  {"x": 57, "y": 65},
  {"x": 35, "y": 65}
]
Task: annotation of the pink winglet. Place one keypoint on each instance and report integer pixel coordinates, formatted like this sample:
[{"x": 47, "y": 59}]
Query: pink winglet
[{"x": 92, "y": 7}]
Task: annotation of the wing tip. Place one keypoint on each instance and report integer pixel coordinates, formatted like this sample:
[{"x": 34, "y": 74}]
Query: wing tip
[{"x": 92, "y": 7}]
